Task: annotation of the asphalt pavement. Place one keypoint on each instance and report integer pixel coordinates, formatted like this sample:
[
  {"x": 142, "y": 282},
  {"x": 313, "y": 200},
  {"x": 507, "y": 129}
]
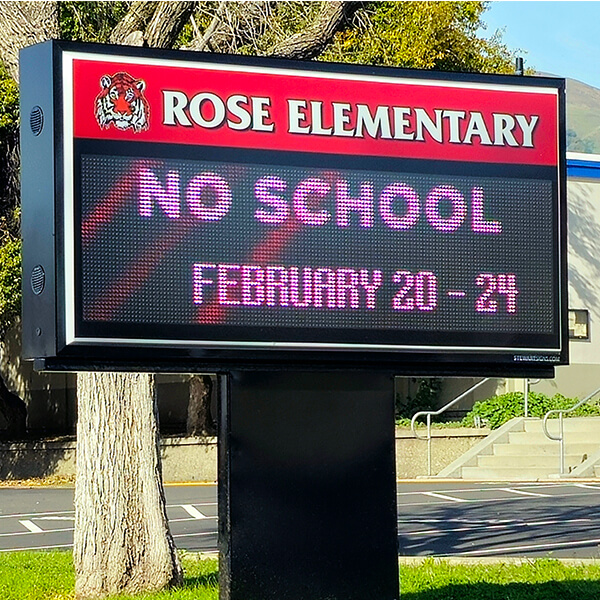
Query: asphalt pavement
[{"x": 461, "y": 519}]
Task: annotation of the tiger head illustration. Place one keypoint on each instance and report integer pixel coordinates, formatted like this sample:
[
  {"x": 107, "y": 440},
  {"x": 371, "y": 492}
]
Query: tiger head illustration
[{"x": 122, "y": 103}]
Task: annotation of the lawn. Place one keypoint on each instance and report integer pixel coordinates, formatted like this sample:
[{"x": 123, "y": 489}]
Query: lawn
[{"x": 49, "y": 576}]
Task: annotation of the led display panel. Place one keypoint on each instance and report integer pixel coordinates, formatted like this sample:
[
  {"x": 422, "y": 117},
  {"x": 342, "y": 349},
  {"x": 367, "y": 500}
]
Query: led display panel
[{"x": 226, "y": 207}]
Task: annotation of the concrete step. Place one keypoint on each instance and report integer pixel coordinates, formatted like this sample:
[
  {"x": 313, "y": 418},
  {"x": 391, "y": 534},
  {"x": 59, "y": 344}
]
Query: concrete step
[
  {"x": 549, "y": 449},
  {"x": 544, "y": 461},
  {"x": 576, "y": 424},
  {"x": 508, "y": 473},
  {"x": 539, "y": 438}
]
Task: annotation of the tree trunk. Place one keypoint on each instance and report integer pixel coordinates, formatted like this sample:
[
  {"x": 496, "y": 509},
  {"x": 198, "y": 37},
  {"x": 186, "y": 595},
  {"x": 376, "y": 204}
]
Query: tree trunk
[
  {"x": 122, "y": 540},
  {"x": 23, "y": 24},
  {"x": 199, "y": 420},
  {"x": 14, "y": 412}
]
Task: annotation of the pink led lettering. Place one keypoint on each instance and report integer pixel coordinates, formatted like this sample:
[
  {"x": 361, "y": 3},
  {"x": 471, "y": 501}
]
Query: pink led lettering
[
  {"x": 507, "y": 287},
  {"x": 403, "y": 299},
  {"x": 410, "y": 198},
  {"x": 294, "y": 286},
  {"x": 418, "y": 291},
  {"x": 346, "y": 204},
  {"x": 426, "y": 291},
  {"x": 276, "y": 286},
  {"x": 479, "y": 224},
  {"x": 253, "y": 289},
  {"x": 324, "y": 281},
  {"x": 304, "y": 298},
  {"x": 457, "y": 203},
  {"x": 310, "y": 192},
  {"x": 371, "y": 285},
  {"x": 224, "y": 284},
  {"x": 209, "y": 197},
  {"x": 503, "y": 284},
  {"x": 279, "y": 209},
  {"x": 198, "y": 280},
  {"x": 486, "y": 302},
  {"x": 348, "y": 288},
  {"x": 151, "y": 189}
]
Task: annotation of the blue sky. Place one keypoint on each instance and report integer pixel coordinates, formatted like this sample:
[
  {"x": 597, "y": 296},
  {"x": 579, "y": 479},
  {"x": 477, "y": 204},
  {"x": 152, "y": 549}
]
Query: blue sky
[{"x": 562, "y": 38}]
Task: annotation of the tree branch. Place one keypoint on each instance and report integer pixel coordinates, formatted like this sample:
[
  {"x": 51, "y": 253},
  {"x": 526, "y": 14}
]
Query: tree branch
[
  {"x": 200, "y": 40},
  {"x": 235, "y": 24},
  {"x": 311, "y": 41},
  {"x": 135, "y": 20},
  {"x": 167, "y": 22}
]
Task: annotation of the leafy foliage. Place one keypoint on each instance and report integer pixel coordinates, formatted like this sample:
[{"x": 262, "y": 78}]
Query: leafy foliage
[
  {"x": 10, "y": 245},
  {"x": 10, "y": 282},
  {"x": 422, "y": 35},
  {"x": 425, "y": 398},
  {"x": 9, "y": 129},
  {"x": 90, "y": 21},
  {"x": 9, "y": 105},
  {"x": 498, "y": 410}
]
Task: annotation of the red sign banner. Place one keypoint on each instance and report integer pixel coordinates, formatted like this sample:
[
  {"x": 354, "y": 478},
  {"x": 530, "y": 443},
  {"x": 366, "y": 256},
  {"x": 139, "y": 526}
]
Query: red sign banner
[{"x": 311, "y": 111}]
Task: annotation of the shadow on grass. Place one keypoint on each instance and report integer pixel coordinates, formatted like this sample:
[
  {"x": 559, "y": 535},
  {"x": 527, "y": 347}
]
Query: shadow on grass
[
  {"x": 551, "y": 590},
  {"x": 206, "y": 580}
]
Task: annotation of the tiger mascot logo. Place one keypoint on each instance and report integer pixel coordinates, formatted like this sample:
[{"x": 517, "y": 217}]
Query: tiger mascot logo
[{"x": 122, "y": 103}]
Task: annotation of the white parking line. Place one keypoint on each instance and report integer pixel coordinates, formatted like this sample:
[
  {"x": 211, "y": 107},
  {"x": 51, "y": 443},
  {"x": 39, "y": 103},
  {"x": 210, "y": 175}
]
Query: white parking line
[
  {"x": 444, "y": 497},
  {"x": 524, "y": 493},
  {"x": 35, "y": 532},
  {"x": 495, "y": 486},
  {"x": 587, "y": 486},
  {"x": 531, "y": 547},
  {"x": 33, "y": 528},
  {"x": 36, "y": 515},
  {"x": 504, "y": 525},
  {"x": 199, "y": 534},
  {"x": 193, "y": 511}
]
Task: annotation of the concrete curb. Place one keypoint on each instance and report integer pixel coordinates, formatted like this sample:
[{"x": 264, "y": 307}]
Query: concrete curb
[{"x": 450, "y": 560}]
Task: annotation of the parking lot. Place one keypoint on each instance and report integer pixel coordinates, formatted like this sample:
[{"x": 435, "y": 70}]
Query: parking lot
[{"x": 556, "y": 519}]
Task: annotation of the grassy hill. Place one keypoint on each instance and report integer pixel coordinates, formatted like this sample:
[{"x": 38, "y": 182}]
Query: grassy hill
[{"x": 583, "y": 117}]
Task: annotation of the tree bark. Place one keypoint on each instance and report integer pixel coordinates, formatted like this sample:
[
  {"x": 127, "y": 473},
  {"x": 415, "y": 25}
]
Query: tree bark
[
  {"x": 122, "y": 541},
  {"x": 136, "y": 19},
  {"x": 24, "y": 24},
  {"x": 199, "y": 420},
  {"x": 166, "y": 23}
]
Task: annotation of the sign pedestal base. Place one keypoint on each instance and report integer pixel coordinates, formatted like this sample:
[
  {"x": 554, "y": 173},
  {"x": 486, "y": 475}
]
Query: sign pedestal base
[{"x": 307, "y": 488}]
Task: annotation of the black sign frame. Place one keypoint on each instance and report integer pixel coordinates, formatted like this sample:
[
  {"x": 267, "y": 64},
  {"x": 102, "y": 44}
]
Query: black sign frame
[{"x": 46, "y": 314}]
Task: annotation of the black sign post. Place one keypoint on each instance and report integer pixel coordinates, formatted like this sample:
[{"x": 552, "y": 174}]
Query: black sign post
[{"x": 307, "y": 487}]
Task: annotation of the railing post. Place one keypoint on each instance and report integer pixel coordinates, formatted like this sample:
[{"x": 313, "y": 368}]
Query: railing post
[
  {"x": 562, "y": 442},
  {"x": 429, "y": 414},
  {"x": 428, "y": 445},
  {"x": 526, "y": 397}
]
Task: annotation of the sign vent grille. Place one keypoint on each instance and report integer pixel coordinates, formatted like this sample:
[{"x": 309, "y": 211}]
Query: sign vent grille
[
  {"x": 36, "y": 120},
  {"x": 38, "y": 279}
]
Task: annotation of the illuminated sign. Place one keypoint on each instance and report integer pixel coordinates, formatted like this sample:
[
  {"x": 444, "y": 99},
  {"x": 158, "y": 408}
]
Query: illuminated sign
[{"x": 232, "y": 208}]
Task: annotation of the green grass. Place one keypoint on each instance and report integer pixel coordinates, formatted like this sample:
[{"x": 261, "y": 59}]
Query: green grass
[
  {"x": 49, "y": 576},
  {"x": 532, "y": 580}
]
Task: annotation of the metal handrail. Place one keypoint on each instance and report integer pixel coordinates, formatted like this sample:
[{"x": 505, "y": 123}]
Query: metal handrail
[
  {"x": 434, "y": 413},
  {"x": 561, "y": 412}
]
